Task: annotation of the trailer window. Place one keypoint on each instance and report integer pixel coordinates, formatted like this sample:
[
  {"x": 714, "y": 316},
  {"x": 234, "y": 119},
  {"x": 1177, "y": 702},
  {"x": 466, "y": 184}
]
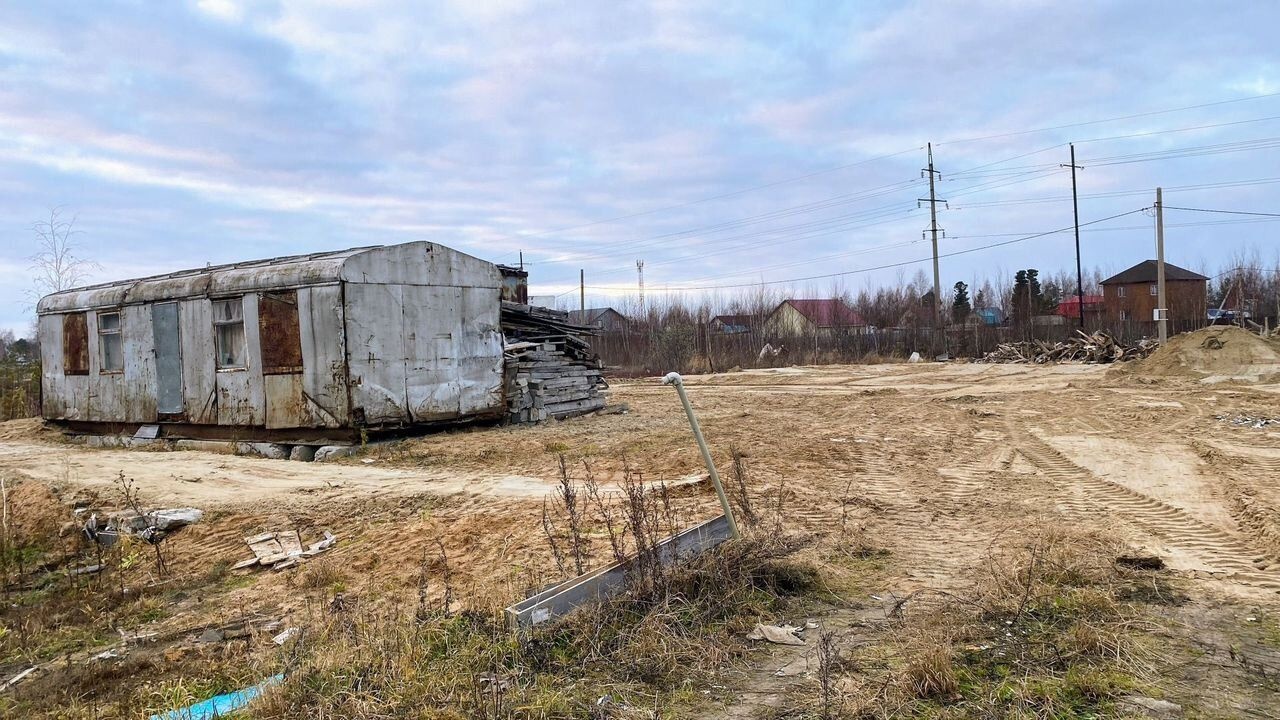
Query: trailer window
[
  {"x": 110, "y": 349},
  {"x": 280, "y": 333},
  {"x": 75, "y": 344},
  {"x": 228, "y": 333}
]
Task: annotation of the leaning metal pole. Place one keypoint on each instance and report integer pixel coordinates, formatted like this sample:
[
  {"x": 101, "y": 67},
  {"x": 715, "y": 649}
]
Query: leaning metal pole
[{"x": 675, "y": 379}]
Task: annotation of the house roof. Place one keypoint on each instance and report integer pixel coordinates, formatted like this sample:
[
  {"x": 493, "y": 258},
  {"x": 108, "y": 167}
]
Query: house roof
[
  {"x": 1145, "y": 272},
  {"x": 733, "y": 319},
  {"x": 831, "y": 312},
  {"x": 591, "y": 316}
]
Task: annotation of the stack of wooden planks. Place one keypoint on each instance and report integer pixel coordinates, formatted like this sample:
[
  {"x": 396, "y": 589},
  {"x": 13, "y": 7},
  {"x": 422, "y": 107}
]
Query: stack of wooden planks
[
  {"x": 551, "y": 371},
  {"x": 1098, "y": 347}
]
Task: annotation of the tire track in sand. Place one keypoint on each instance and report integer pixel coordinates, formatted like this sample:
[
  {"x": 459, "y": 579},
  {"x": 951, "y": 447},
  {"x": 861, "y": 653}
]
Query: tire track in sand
[{"x": 1219, "y": 551}]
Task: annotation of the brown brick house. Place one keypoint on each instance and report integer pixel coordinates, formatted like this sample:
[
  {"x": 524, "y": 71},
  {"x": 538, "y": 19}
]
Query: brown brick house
[{"x": 1130, "y": 296}]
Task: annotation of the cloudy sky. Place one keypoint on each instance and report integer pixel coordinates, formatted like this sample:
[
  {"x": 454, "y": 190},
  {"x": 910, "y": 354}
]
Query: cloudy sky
[{"x": 725, "y": 143}]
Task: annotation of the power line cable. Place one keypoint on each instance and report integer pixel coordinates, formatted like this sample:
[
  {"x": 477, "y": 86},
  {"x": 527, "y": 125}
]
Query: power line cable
[{"x": 890, "y": 265}]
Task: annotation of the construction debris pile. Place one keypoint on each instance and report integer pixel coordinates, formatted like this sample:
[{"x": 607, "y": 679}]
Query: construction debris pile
[
  {"x": 551, "y": 371},
  {"x": 1098, "y": 347},
  {"x": 282, "y": 550}
]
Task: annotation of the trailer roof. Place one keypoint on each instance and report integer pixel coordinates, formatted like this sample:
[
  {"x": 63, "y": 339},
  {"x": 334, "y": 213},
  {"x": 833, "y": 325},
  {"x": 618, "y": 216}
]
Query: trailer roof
[{"x": 238, "y": 278}]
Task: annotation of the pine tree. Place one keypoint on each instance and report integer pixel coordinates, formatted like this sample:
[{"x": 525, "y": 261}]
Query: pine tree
[
  {"x": 960, "y": 307},
  {"x": 1019, "y": 297}
]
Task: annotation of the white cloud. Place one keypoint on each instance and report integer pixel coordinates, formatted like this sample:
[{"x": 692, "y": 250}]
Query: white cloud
[{"x": 227, "y": 10}]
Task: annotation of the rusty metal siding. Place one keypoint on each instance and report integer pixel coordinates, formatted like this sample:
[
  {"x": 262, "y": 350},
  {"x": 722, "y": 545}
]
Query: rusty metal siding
[
  {"x": 324, "y": 371},
  {"x": 75, "y": 344},
  {"x": 376, "y": 353},
  {"x": 401, "y": 334},
  {"x": 280, "y": 332}
]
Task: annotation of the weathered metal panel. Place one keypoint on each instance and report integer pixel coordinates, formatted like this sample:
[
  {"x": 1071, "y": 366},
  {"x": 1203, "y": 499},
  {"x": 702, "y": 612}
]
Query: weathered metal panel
[
  {"x": 167, "y": 337},
  {"x": 560, "y": 599},
  {"x": 376, "y": 353},
  {"x": 239, "y": 278},
  {"x": 432, "y": 335},
  {"x": 285, "y": 406},
  {"x": 56, "y": 396},
  {"x": 480, "y": 363},
  {"x": 324, "y": 371},
  {"x": 240, "y": 398},
  {"x": 421, "y": 263},
  {"x": 135, "y": 391},
  {"x": 199, "y": 375},
  {"x": 102, "y": 395}
]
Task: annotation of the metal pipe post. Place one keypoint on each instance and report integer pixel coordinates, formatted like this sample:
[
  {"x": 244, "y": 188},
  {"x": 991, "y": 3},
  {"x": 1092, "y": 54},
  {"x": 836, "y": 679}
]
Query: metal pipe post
[{"x": 675, "y": 379}]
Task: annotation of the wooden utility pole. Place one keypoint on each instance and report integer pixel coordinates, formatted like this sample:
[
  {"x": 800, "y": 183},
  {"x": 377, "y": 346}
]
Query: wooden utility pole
[
  {"x": 1162, "y": 310},
  {"x": 933, "y": 230},
  {"x": 1075, "y": 210},
  {"x": 582, "y": 294}
]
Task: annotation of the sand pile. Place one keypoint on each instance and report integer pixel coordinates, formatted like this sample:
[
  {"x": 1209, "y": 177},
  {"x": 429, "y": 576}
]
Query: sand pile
[
  {"x": 1213, "y": 354},
  {"x": 24, "y": 429}
]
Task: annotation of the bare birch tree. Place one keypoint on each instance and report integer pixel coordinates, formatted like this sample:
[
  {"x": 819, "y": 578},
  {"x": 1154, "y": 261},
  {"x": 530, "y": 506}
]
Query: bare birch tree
[{"x": 56, "y": 264}]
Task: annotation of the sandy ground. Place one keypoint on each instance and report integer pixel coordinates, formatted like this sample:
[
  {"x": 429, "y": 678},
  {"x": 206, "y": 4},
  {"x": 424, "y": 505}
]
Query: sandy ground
[
  {"x": 939, "y": 459},
  {"x": 934, "y": 462}
]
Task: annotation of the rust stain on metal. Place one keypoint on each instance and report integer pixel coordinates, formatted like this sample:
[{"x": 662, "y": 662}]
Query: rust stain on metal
[
  {"x": 75, "y": 344},
  {"x": 280, "y": 333}
]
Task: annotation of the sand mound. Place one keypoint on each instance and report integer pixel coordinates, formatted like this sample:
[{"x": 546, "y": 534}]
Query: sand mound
[
  {"x": 24, "y": 429},
  {"x": 1213, "y": 354}
]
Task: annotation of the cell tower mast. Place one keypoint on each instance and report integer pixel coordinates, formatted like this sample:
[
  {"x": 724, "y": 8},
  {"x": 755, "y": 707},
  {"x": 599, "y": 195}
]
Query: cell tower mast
[{"x": 640, "y": 276}]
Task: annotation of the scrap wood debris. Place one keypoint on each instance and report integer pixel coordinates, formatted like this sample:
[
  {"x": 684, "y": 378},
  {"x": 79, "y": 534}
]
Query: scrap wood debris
[
  {"x": 1098, "y": 347},
  {"x": 551, "y": 371},
  {"x": 151, "y": 526},
  {"x": 281, "y": 550}
]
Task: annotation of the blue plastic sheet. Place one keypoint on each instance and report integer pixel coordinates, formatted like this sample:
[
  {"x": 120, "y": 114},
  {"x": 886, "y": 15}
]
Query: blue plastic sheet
[{"x": 220, "y": 705}]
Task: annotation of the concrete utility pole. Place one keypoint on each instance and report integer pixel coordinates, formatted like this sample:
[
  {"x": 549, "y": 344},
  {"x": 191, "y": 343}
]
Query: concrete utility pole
[
  {"x": 1075, "y": 210},
  {"x": 933, "y": 230},
  {"x": 1162, "y": 310},
  {"x": 582, "y": 294}
]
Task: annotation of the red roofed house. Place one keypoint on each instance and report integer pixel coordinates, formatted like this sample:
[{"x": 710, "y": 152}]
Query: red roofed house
[
  {"x": 814, "y": 317},
  {"x": 1069, "y": 308}
]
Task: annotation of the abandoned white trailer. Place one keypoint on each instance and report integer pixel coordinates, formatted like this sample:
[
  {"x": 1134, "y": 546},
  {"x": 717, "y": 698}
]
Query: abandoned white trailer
[{"x": 311, "y": 346}]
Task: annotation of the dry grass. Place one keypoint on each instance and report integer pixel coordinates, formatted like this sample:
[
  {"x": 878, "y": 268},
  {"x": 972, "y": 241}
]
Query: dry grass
[
  {"x": 1050, "y": 627},
  {"x": 360, "y": 660}
]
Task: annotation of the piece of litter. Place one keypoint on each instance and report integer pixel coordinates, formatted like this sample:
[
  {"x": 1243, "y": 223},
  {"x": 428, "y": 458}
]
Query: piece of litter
[
  {"x": 367, "y": 461},
  {"x": 220, "y": 705},
  {"x": 779, "y": 634},
  {"x": 283, "y": 637},
  {"x": 811, "y": 624},
  {"x": 18, "y": 678},
  {"x": 109, "y": 654}
]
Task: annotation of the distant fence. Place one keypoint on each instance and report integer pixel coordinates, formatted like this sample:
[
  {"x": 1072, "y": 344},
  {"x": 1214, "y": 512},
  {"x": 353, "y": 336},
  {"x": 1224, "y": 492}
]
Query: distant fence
[
  {"x": 700, "y": 347},
  {"x": 19, "y": 390}
]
